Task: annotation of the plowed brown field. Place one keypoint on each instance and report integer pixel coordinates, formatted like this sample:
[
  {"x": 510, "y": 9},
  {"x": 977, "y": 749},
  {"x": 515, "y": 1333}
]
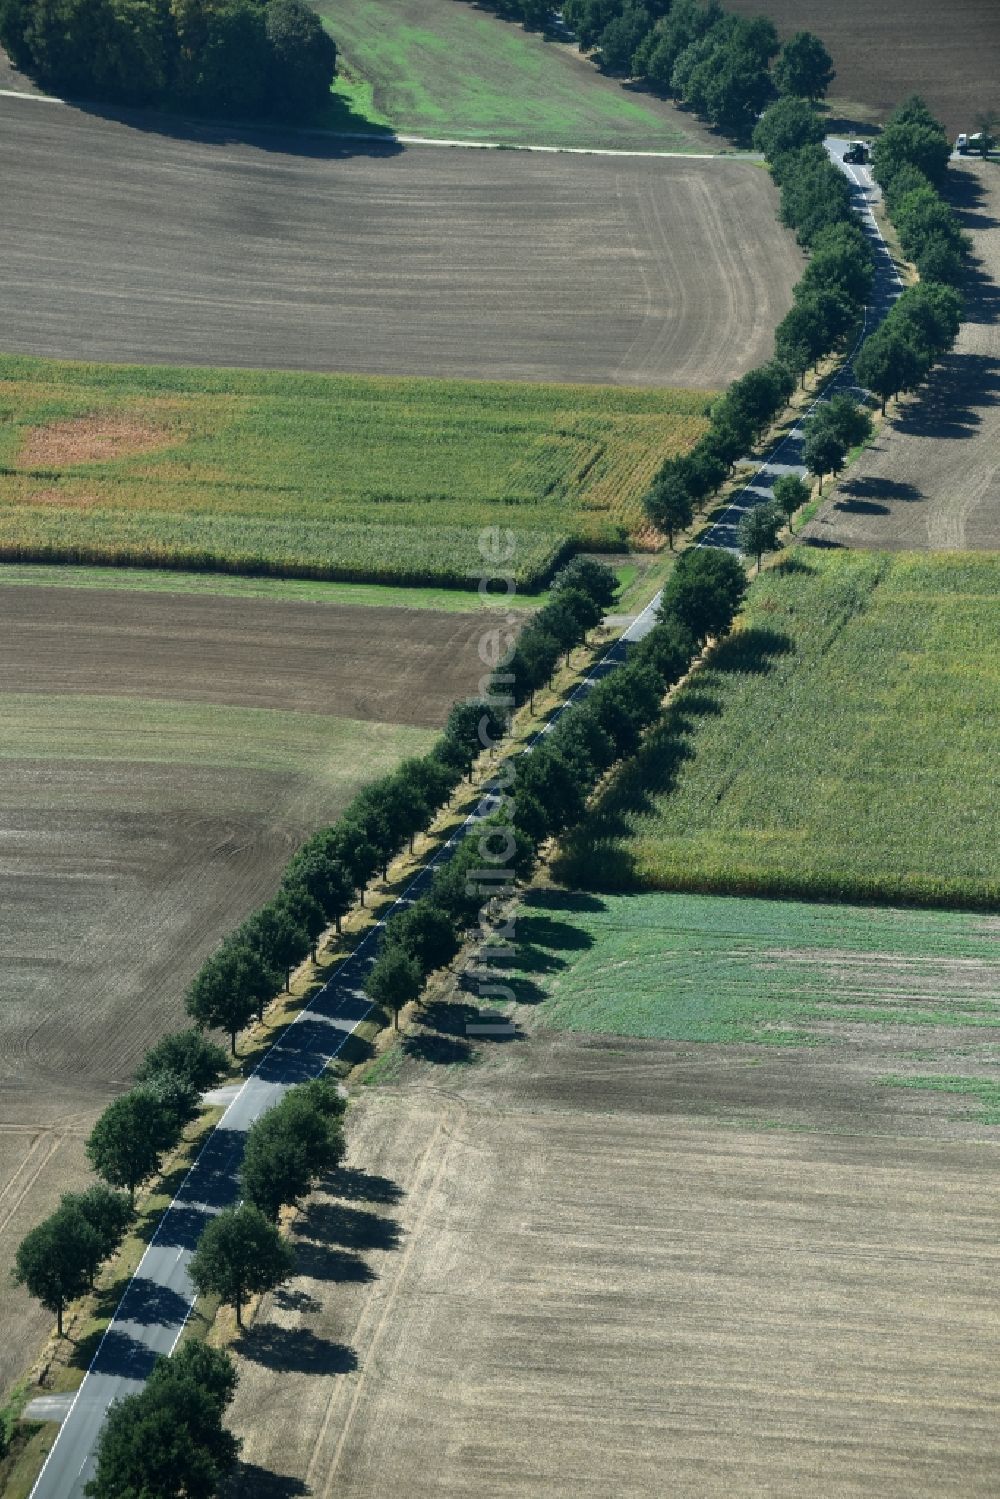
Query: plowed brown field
[
  {"x": 612, "y": 1266},
  {"x": 948, "y": 53},
  {"x": 932, "y": 480},
  {"x": 292, "y": 253},
  {"x": 161, "y": 758}
]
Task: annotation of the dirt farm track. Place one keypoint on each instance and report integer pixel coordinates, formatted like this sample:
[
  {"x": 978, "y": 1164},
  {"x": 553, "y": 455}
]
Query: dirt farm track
[{"x": 119, "y": 243}]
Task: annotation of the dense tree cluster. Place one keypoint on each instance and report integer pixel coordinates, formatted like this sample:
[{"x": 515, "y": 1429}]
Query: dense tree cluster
[
  {"x": 246, "y": 58},
  {"x": 169, "y": 1440}
]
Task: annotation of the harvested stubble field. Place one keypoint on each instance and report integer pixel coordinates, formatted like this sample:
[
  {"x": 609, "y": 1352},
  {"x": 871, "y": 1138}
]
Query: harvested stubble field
[
  {"x": 841, "y": 744},
  {"x": 596, "y": 1265},
  {"x": 322, "y": 475},
  {"x": 948, "y": 54},
  {"x": 445, "y": 68},
  {"x": 932, "y": 479},
  {"x": 161, "y": 759},
  {"x": 298, "y": 252}
]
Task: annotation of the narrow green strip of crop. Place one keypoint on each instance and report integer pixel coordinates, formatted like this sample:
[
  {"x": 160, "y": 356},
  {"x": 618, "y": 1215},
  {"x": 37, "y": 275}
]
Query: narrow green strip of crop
[{"x": 704, "y": 968}]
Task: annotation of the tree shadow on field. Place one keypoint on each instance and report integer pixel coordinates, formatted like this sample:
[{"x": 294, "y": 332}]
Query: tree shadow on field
[
  {"x": 363, "y": 1186},
  {"x": 350, "y": 1228},
  {"x": 946, "y": 406},
  {"x": 248, "y": 1481},
  {"x": 874, "y": 496},
  {"x": 338, "y": 1266},
  {"x": 340, "y": 138},
  {"x": 966, "y": 196},
  {"x": 295, "y": 1350}
]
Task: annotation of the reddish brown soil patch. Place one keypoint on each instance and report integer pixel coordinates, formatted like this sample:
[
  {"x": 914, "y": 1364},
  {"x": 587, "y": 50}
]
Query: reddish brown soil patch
[{"x": 92, "y": 439}]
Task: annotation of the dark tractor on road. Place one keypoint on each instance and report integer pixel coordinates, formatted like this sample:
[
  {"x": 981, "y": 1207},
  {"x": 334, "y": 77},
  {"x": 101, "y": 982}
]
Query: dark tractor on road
[{"x": 856, "y": 153}]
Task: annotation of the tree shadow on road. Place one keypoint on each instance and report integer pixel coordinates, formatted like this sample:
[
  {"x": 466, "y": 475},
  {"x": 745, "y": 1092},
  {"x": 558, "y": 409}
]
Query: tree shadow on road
[{"x": 295, "y": 1350}]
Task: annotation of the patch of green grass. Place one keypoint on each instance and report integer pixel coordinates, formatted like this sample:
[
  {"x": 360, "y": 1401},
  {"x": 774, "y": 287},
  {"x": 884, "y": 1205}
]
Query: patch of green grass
[
  {"x": 293, "y": 590},
  {"x": 62, "y": 727},
  {"x": 443, "y": 69},
  {"x": 718, "y": 969},
  {"x": 356, "y": 478},
  {"x": 985, "y": 1091},
  {"x": 840, "y": 745}
]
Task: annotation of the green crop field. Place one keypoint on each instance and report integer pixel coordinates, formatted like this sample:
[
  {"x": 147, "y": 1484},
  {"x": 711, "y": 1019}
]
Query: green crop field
[
  {"x": 704, "y": 968},
  {"x": 444, "y": 69},
  {"x": 358, "y": 478},
  {"x": 842, "y": 744}
]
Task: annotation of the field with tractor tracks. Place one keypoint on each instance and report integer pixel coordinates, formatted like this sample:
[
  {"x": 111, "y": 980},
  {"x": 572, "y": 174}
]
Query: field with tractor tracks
[
  {"x": 162, "y": 757},
  {"x": 600, "y": 1259}
]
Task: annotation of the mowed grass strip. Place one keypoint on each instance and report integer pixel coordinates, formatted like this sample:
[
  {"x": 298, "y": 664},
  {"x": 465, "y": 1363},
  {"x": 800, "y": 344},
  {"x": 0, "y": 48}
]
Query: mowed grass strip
[
  {"x": 704, "y": 968},
  {"x": 446, "y": 69},
  {"x": 329, "y": 749},
  {"x": 842, "y": 744},
  {"x": 325, "y": 476}
]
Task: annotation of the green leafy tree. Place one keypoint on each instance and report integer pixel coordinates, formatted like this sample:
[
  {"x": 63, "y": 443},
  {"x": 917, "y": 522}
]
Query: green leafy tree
[
  {"x": 912, "y": 137},
  {"x": 888, "y": 362},
  {"x": 426, "y": 932},
  {"x": 590, "y": 576},
  {"x": 289, "y": 1148},
  {"x": 585, "y": 610},
  {"x": 704, "y": 591},
  {"x": 109, "y": 1213},
  {"x": 240, "y": 1254},
  {"x": 823, "y": 450},
  {"x": 127, "y": 1143},
  {"x": 851, "y": 422},
  {"x": 395, "y": 980},
  {"x": 186, "y": 1054},
  {"x": 303, "y": 58},
  {"x": 758, "y": 530},
  {"x": 790, "y": 494},
  {"x": 803, "y": 336},
  {"x": 804, "y": 67},
  {"x": 626, "y": 703},
  {"x": 668, "y": 649},
  {"x": 814, "y": 198},
  {"x": 841, "y": 261},
  {"x": 357, "y": 853},
  {"x": 57, "y": 1260},
  {"x": 548, "y": 777},
  {"x": 787, "y": 125},
  {"x": 168, "y": 1441},
  {"x": 220, "y": 997},
  {"x": 668, "y": 502}
]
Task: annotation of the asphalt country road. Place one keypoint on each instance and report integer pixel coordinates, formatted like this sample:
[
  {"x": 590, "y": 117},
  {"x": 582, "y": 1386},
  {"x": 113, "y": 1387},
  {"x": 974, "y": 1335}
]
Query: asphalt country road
[
  {"x": 786, "y": 458},
  {"x": 160, "y": 1297}
]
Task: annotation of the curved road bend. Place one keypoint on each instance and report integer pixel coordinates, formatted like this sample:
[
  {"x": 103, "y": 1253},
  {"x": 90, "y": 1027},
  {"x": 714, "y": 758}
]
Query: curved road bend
[
  {"x": 787, "y": 456},
  {"x": 159, "y": 1298}
]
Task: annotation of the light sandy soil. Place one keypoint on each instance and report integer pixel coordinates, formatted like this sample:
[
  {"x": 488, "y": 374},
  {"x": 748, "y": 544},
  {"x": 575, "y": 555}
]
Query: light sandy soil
[
  {"x": 932, "y": 479},
  {"x": 613, "y": 1267}
]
